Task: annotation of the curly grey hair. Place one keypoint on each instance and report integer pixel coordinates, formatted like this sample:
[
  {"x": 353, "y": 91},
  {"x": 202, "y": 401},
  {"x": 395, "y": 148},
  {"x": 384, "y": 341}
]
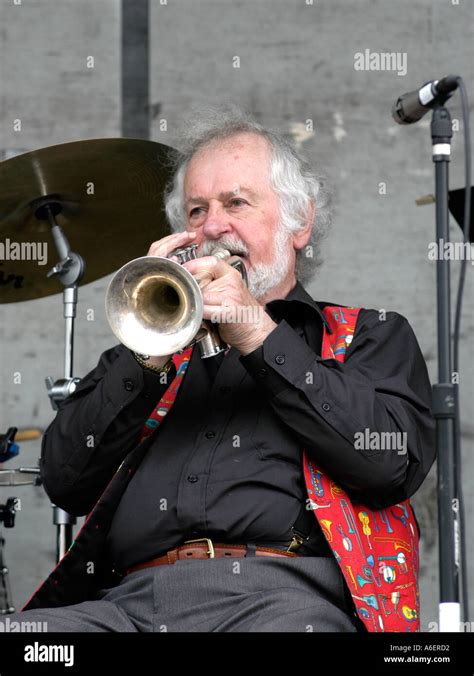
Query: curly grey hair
[{"x": 294, "y": 180}]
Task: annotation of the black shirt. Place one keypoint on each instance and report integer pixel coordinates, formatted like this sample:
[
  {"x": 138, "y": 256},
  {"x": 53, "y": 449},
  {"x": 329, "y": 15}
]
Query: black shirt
[{"x": 226, "y": 462}]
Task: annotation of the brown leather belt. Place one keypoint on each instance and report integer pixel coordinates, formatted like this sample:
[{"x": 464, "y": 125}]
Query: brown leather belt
[{"x": 204, "y": 548}]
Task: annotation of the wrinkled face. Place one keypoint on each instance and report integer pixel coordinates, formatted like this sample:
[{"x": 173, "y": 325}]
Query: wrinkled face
[{"x": 229, "y": 202}]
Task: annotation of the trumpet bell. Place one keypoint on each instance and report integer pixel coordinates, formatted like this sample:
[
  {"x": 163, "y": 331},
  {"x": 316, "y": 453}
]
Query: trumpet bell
[{"x": 154, "y": 306}]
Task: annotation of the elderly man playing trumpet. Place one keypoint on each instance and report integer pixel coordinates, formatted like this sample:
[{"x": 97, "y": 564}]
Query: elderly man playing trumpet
[{"x": 234, "y": 493}]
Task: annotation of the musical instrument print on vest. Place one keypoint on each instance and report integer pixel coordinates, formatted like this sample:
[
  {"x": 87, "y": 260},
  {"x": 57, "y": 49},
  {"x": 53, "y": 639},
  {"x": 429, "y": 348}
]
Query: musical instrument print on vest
[
  {"x": 388, "y": 573},
  {"x": 351, "y": 574},
  {"x": 384, "y": 603},
  {"x": 371, "y": 601},
  {"x": 366, "y": 542},
  {"x": 346, "y": 541},
  {"x": 336, "y": 491},
  {"x": 398, "y": 543},
  {"x": 399, "y": 517},
  {"x": 364, "y": 519},
  {"x": 400, "y": 558},
  {"x": 384, "y": 518},
  {"x": 326, "y": 526},
  {"x": 372, "y": 576}
]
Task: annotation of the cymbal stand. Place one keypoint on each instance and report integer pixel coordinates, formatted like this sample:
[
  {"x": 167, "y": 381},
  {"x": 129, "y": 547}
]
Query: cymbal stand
[{"x": 69, "y": 270}]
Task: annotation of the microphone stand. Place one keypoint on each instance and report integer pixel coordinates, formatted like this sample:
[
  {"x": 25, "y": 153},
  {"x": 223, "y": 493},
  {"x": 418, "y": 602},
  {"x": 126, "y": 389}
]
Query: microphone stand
[{"x": 445, "y": 401}]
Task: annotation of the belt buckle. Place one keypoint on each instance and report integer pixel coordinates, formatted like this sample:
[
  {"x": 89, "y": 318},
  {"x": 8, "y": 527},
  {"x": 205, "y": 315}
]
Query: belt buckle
[
  {"x": 209, "y": 544},
  {"x": 296, "y": 542}
]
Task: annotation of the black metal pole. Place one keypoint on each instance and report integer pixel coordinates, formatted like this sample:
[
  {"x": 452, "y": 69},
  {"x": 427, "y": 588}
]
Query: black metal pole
[
  {"x": 444, "y": 399},
  {"x": 135, "y": 69}
]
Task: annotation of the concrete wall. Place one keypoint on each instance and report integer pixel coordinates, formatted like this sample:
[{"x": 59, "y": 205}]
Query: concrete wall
[{"x": 296, "y": 64}]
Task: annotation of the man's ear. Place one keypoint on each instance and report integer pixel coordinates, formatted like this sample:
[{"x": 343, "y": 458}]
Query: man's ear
[{"x": 302, "y": 237}]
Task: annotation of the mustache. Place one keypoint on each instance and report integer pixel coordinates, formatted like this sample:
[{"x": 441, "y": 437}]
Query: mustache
[{"x": 232, "y": 244}]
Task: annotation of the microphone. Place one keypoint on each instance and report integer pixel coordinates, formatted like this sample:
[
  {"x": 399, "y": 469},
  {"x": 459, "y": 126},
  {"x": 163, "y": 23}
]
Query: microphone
[{"x": 412, "y": 106}]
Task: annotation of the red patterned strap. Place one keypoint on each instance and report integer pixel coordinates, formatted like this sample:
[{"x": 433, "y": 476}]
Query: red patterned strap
[
  {"x": 377, "y": 551},
  {"x": 181, "y": 361}
]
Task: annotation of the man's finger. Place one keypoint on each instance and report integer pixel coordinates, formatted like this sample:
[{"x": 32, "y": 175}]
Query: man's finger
[
  {"x": 216, "y": 313},
  {"x": 217, "y": 298},
  {"x": 215, "y": 266},
  {"x": 165, "y": 245}
]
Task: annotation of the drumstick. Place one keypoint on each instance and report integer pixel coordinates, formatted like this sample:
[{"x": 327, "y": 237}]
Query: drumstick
[{"x": 28, "y": 434}]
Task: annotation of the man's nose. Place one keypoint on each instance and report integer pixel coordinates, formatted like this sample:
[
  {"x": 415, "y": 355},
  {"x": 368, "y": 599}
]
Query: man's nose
[{"x": 216, "y": 223}]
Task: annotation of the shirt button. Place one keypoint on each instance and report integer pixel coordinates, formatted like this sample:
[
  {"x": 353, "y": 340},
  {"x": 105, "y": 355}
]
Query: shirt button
[
  {"x": 326, "y": 407},
  {"x": 225, "y": 389},
  {"x": 262, "y": 373},
  {"x": 192, "y": 478},
  {"x": 280, "y": 359},
  {"x": 210, "y": 435},
  {"x": 128, "y": 384}
]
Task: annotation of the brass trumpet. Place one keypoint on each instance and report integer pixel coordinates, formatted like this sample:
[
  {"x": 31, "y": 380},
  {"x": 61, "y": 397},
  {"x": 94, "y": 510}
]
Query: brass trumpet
[{"x": 154, "y": 305}]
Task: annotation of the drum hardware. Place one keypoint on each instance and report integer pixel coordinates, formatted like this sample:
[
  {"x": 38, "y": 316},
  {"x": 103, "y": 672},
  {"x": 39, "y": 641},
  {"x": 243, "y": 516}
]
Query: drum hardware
[
  {"x": 71, "y": 193},
  {"x": 69, "y": 270},
  {"x": 8, "y": 450},
  {"x": 106, "y": 196},
  {"x": 6, "y": 604},
  {"x": 8, "y": 512},
  {"x": 7, "y": 516},
  {"x": 66, "y": 195},
  {"x": 13, "y": 477}
]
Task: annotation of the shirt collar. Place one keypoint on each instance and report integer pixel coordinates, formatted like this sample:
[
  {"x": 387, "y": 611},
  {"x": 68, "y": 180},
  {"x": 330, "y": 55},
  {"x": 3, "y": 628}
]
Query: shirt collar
[{"x": 296, "y": 296}]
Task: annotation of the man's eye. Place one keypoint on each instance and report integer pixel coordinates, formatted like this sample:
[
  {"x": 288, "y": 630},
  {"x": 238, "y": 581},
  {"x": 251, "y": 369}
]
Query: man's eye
[
  {"x": 193, "y": 211},
  {"x": 238, "y": 199}
]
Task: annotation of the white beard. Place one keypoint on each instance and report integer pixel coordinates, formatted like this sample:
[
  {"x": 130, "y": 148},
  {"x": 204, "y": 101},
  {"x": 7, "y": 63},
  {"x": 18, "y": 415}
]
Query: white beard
[{"x": 262, "y": 277}]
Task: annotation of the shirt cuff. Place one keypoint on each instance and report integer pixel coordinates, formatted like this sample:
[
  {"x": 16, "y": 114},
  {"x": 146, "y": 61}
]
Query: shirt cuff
[
  {"x": 281, "y": 359},
  {"x": 131, "y": 381}
]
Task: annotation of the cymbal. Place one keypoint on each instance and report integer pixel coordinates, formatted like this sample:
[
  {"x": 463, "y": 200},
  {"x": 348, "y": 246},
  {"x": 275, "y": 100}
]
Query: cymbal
[{"x": 110, "y": 196}]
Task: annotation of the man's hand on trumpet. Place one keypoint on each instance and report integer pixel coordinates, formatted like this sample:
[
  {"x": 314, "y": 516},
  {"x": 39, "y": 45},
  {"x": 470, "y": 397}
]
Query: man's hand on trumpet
[
  {"x": 165, "y": 245},
  {"x": 243, "y": 322}
]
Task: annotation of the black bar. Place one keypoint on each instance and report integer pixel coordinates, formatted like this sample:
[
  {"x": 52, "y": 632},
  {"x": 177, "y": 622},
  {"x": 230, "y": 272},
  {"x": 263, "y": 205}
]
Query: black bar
[
  {"x": 127, "y": 653},
  {"x": 135, "y": 69}
]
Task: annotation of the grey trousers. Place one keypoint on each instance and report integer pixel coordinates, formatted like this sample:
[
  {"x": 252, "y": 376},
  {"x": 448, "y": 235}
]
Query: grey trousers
[{"x": 251, "y": 594}]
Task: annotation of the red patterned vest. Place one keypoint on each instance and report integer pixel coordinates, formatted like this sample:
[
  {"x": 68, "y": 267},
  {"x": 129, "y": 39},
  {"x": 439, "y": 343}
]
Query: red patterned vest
[{"x": 377, "y": 551}]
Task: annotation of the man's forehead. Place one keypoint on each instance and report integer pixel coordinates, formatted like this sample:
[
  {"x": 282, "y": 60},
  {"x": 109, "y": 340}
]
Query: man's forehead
[
  {"x": 225, "y": 156},
  {"x": 237, "y": 189},
  {"x": 241, "y": 170}
]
